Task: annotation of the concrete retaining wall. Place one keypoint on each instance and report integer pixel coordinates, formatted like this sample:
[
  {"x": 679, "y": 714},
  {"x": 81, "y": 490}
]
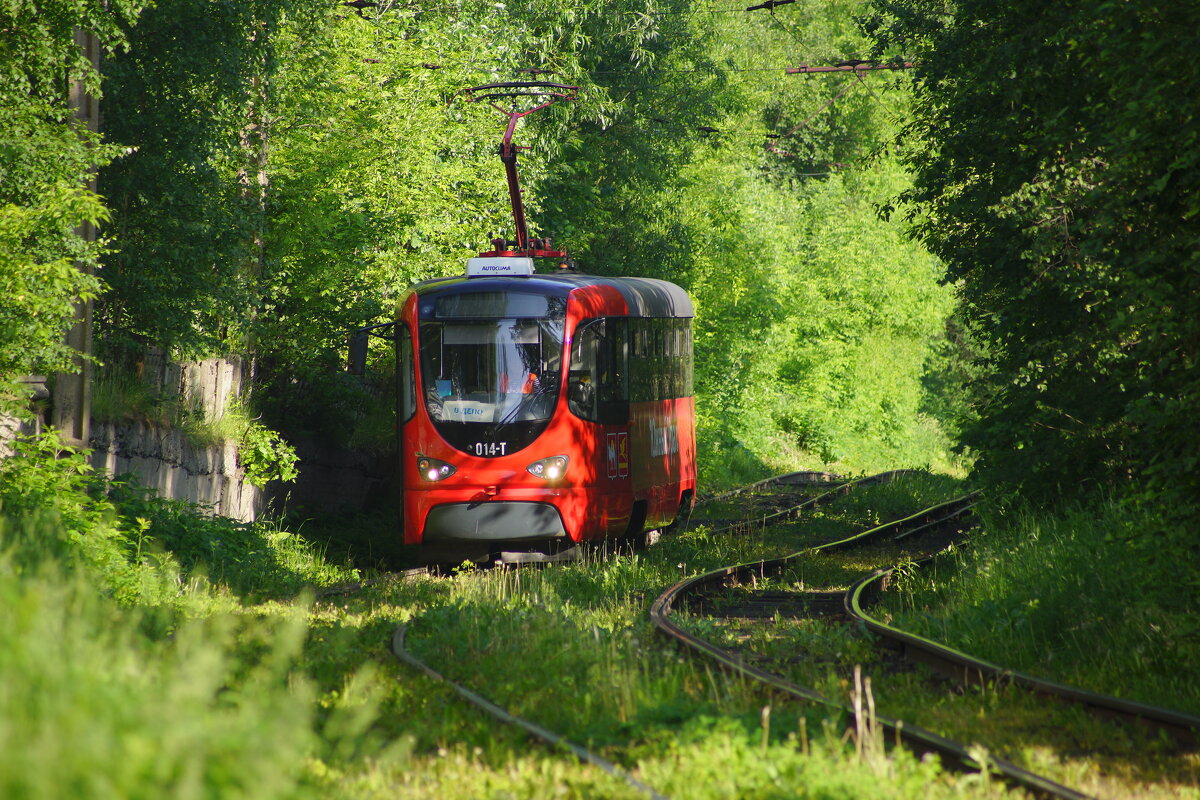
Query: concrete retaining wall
[
  {"x": 34, "y": 387},
  {"x": 210, "y": 385},
  {"x": 162, "y": 459},
  {"x": 165, "y": 461}
]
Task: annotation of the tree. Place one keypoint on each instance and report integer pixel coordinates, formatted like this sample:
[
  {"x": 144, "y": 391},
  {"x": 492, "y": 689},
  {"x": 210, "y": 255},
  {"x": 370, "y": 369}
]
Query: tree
[
  {"x": 291, "y": 182},
  {"x": 45, "y": 158},
  {"x": 1056, "y": 173},
  {"x": 194, "y": 99}
]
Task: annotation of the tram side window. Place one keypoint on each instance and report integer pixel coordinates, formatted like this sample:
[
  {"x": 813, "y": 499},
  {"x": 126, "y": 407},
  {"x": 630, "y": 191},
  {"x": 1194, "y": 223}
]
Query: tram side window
[
  {"x": 639, "y": 361},
  {"x": 660, "y": 359},
  {"x": 581, "y": 379},
  {"x": 598, "y": 380},
  {"x": 672, "y": 334},
  {"x": 647, "y": 360},
  {"x": 688, "y": 355},
  {"x": 406, "y": 395}
]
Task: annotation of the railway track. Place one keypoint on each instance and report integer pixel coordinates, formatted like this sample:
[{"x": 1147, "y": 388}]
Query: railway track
[
  {"x": 779, "y": 508},
  {"x": 966, "y": 669},
  {"x": 929, "y": 531},
  {"x": 401, "y": 651},
  {"x": 932, "y": 530},
  {"x": 803, "y": 482}
]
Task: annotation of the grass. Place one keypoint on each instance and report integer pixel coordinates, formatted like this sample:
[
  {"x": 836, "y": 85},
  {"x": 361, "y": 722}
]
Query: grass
[
  {"x": 1045, "y": 593},
  {"x": 120, "y": 396},
  {"x": 1067, "y": 596},
  {"x": 151, "y": 651},
  {"x": 254, "y": 560},
  {"x": 93, "y": 706}
]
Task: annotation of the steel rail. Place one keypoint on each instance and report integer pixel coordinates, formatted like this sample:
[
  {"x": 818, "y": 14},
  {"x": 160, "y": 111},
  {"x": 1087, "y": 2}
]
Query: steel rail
[
  {"x": 903, "y": 527},
  {"x": 821, "y": 499},
  {"x": 967, "y": 668},
  {"x": 917, "y": 737},
  {"x": 813, "y": 478},
  {"x": 546, "y": 735}
]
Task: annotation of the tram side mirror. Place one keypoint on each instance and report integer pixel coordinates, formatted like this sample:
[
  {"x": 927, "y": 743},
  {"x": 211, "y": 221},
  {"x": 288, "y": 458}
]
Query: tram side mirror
[{"x": 356, "y": 364}]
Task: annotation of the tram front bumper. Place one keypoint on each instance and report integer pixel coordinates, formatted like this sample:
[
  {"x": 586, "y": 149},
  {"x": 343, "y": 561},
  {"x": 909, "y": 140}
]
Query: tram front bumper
[{"x": 495, "y": 520}]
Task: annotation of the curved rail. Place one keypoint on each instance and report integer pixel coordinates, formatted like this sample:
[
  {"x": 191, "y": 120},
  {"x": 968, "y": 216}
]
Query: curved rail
[
  {"x": 965, "y": 668},
  {"x": 916, "y": 737},
  {"x": 904, "y": 527},
  {"x": 803, "y": 478},
  {"x": 839, "y": 489},
  {"x": 548, "y": 736}
]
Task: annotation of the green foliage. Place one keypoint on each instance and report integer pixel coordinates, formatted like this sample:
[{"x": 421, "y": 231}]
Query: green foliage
[
  {"x": 98, "y": 701},
  {"x": 192, "y": 97},
  {"x": 45, "y": 479},
  {"x": 106, "y": 700},
  {"x": 252, "y": 559},
  {"x": 41, "y": 145},
  {"x": 328, "y": 173},
  {"x": 1055, "y": 174},
  {"x": 122, "y": 678},
  {"x": 376, "y": 182},
  {"x": 45, "y": 157},
  {"x": 53, "y": 506},
  {"x": 93, "y": 707},
  {"x": 265, "y": 455},
  {"x": 38, "y": 285},
  {"x": 814, "y": 317},
  {"x": 336, "y": 165},
  {"x": 146, "y": 550}
]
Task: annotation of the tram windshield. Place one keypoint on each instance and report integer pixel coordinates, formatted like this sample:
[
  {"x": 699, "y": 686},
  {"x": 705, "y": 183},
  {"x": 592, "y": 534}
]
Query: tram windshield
[{"x": 481, "y": 375}]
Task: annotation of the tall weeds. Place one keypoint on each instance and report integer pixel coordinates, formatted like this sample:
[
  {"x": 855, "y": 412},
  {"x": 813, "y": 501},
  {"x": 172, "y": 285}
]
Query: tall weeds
[{"x": 1068, "y": 595}]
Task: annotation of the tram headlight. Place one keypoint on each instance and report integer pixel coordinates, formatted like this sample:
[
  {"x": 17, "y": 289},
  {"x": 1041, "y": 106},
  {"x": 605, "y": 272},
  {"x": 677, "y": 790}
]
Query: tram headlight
[
  {"x": 434, "y": 470},
  {"x": 550, "y": 469}
]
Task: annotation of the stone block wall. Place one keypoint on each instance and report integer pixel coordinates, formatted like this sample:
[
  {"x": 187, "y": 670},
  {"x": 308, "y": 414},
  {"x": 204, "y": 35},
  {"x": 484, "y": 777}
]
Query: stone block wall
[
  {"x": 210, "y": 385},
  {"x": 164, "y": 460}
]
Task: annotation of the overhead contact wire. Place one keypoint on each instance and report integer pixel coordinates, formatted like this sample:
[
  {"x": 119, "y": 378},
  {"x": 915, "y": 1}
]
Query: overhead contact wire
[{"x": 461, "y": 9}]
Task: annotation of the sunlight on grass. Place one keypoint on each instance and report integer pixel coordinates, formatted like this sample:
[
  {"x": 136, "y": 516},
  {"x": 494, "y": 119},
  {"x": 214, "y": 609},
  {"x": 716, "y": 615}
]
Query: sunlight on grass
[
  {"x": 1065, "y": 597},
  {"x": 141, "y": 627}
]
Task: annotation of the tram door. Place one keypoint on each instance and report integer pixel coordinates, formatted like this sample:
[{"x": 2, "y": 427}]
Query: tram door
[{"x": 598, "y": 391}]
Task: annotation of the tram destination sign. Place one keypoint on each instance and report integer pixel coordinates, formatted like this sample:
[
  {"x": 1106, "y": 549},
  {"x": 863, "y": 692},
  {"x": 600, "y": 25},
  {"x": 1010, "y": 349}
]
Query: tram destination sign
[
  {"x": 467, "y": 411},
  {"x": 499, "y": 265}
]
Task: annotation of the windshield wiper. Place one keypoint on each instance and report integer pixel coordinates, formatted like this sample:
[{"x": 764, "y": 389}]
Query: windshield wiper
[{"x": 526, "y": 401}]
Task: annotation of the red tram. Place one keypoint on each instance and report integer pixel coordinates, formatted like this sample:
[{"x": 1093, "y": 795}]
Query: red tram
[{"x": 542, "y": 409}]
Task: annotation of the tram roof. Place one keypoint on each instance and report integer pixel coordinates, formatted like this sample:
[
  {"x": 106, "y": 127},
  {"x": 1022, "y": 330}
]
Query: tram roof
[{"x": 645, "y": 297}]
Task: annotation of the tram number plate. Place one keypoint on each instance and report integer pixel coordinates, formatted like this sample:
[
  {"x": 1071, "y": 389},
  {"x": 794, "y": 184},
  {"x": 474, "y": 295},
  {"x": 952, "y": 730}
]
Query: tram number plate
[{"x": 490, "y": 449}]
